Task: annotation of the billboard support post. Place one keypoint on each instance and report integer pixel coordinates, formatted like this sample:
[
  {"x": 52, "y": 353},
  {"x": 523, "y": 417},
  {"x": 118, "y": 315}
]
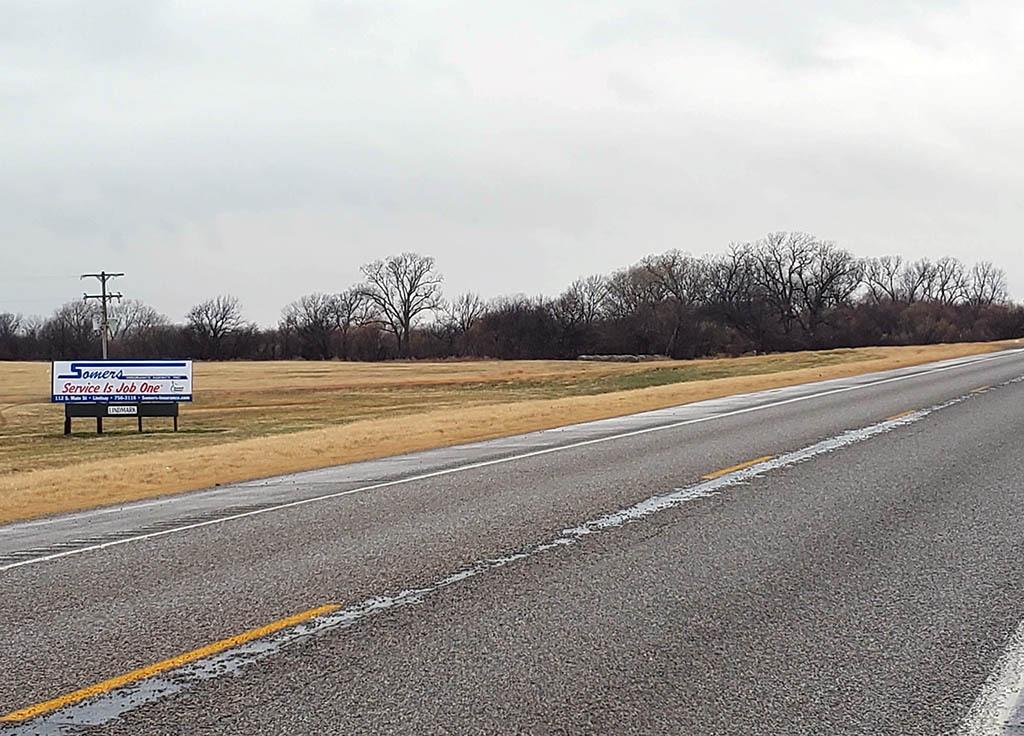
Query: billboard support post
[{"x": 100, "y": 411}]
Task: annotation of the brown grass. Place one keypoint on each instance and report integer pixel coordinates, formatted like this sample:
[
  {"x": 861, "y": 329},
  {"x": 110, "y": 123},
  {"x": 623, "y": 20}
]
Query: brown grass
[{"x": 253, "y": 420}]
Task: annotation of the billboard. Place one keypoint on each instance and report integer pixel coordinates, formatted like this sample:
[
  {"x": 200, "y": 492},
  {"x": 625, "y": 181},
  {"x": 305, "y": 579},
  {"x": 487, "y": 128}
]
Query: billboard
[{"x": 132, "y": 381}]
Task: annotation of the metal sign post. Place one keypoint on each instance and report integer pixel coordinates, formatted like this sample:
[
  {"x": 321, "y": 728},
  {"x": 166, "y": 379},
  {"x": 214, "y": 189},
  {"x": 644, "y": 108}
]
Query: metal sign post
[{"x": 102, "y": 411}]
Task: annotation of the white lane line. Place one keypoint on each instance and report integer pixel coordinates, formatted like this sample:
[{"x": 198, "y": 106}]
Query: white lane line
[
  {"x": 1002, "y": 696},
  {"x": 503, "y": 460},
  {"x": 113, "y": 704}
]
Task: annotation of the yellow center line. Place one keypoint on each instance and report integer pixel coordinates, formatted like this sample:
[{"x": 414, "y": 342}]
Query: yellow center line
[
  {"x": 980, "y": 389},
  {"x": 900, "y": 415},
  {"x": 734, "y": 468},
  {"x": 142, "y": 673}
]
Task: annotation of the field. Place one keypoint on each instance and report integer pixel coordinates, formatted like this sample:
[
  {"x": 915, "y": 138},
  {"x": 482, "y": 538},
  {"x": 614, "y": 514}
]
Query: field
[{"x": 252, "y": 420}]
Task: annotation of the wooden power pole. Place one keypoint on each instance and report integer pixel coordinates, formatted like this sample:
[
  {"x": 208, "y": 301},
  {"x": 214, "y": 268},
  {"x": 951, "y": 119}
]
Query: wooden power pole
[{"x": 104, "y": 296}]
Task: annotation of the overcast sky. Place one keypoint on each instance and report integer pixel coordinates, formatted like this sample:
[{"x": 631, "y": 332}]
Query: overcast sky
[{"x": 267, "y": 149}]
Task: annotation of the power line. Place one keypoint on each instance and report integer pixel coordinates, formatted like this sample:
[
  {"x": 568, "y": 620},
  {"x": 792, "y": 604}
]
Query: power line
[{"x": 104, "y": 297}]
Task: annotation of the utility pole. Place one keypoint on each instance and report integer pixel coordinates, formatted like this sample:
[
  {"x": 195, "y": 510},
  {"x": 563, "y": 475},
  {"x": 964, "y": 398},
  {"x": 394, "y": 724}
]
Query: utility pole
[{"x": 104, "y": 297}]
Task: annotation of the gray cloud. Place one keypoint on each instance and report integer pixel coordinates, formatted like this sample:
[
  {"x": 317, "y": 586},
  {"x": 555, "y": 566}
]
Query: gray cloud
[{"x": 269, "y": 149}]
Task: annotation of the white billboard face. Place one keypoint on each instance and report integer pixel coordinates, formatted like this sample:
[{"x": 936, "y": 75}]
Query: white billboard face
[{"x": 121, "y": 380}]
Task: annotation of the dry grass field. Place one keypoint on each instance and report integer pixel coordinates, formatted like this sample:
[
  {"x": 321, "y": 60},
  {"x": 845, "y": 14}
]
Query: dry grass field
[{"x": 252, "y": 420}]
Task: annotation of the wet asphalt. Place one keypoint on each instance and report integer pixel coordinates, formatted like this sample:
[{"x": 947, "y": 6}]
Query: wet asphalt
[{"x": 868, "y": 590}]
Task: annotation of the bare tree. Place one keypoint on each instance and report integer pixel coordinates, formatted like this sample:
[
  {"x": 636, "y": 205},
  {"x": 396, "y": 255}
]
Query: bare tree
[
  {"x": 402, "y": 288},
  {"x": 354, "y": 309},
  {"x": 788, "y": 290},
  {"x": 883, "y": 279},
  {"x": 630, "y": 291},
  {"x": 583, "y": 302},
  {"x": 828, "y": 281},
  {"x": 948, "y": 284},
  {"x": 678, "y": 273},
  {"x": 986, "y": 284},
  {"x": 916, "y": 279},
  {"x": 780, "y": 258},
  {"x": 322, "y": 322},
  {"x": 735, "y": 293},
  {"x": 943, "y": 281},
  {"x": 32, "y": 326},
  {"x": 456, "y": 318},
  {"x": 465, "y": 311},
  {"x": 314, "y": 318},
  {"x": 10, "y": 331},
  {"x": 519, "y": 327},
  {"x": 10, "y": 325},
  {"x": 131, "y": 318},
  {"x": 681, "y": 278},
  {"x": 72, "y": 331},
  {"x": 212, "y": 322},
  {"x": 804, "y": 278}
]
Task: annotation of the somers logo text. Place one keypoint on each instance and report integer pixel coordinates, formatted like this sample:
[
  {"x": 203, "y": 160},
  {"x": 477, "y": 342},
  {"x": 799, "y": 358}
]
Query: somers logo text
[
  {"x": 119, "y": 375},
  {"x": 137, "y": 370}
]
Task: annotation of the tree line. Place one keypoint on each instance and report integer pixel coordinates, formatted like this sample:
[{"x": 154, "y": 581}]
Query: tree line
[{"x": 786, "y": 291}]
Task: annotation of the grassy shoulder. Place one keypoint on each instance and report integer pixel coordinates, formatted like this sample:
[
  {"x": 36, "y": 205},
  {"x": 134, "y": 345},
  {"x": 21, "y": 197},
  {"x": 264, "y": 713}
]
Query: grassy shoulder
[{"x": 253, "y": 420}]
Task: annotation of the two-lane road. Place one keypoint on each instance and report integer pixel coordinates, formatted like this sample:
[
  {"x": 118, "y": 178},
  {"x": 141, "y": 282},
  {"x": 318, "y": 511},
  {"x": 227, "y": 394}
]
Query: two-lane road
[{"x": 836, "y": 558}]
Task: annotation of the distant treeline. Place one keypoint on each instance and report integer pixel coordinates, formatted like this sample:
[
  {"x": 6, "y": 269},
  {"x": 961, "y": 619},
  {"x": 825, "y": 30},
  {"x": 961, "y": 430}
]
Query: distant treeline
[{"x": 787, "y": 291}]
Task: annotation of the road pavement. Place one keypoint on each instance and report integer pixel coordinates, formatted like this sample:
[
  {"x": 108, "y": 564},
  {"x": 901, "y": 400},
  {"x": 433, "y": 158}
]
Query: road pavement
[{"x": 836, "y": 558}]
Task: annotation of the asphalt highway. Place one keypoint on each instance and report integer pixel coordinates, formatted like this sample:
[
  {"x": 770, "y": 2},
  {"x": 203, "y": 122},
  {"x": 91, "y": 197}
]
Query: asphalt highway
[{"x": 837, "y": 558}]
